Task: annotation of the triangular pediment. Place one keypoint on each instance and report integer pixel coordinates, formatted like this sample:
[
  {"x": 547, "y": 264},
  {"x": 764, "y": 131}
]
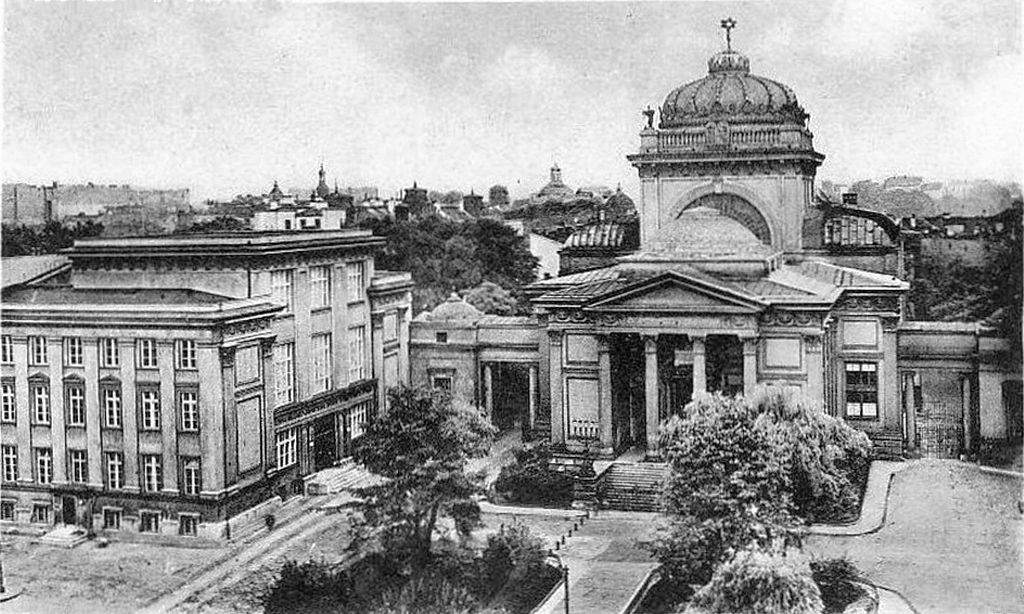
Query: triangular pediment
[{"x": 674, "y": 292}]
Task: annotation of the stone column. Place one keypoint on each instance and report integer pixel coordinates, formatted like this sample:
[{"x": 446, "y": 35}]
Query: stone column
[
  {"x": 604, "y": 410},
  {"x": 557, "y": 407},
  {"x": 965, "y": 389},
  {"x": 749, "y": 366},
  {"x": 700, "y": 377},
  {"x": 489, "y": 391},
  {"x": 651, "y": 389},
  {"x": 532, "y": 415}
]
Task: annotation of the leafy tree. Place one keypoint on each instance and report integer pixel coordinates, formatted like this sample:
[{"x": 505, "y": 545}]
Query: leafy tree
[
  {"x": 726, "y": 489},
  {"x": 489, "y": 297},
  {"x": 757, "y": 582},
  {"x": 421, "y": 447},
  {"x": 222, "y": 223},
  {"x": 47, "y": 239},
  {"x": 451, "y": 198},
  {"x": 497, "y": 196}
]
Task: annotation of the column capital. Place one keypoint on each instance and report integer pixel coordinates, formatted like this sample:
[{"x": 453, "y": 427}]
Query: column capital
[
  {"x": 749, "y": 346},
  {"x": 650, "y": 343},
  {"x": 555, "y": 335},
  {"x": 603, "y": 342},
  {"x": 697, "y": 343},
  {"x": 813, "y": 343}
]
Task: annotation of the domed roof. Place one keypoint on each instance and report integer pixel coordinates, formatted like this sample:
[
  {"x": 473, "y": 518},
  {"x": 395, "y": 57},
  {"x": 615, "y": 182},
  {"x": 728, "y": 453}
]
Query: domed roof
[
  {"x": 729, "y": 90},
  {"x": 620, "y": 201},
  {"x": 704, "y": 233},
  {"x": 454, "y": 308}
]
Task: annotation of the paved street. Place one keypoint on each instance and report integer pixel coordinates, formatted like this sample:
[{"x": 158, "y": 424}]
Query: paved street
[{"x": 950, "y": 542}]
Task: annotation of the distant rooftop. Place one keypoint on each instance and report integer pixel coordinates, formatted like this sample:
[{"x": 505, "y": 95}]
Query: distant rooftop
[{"x": 238, "y": 243}]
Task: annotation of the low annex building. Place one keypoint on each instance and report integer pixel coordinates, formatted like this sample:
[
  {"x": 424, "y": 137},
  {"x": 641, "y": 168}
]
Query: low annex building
[{"x": 164, "y": 385}]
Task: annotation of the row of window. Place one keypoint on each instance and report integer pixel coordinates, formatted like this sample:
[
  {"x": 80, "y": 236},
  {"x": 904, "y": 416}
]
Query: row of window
[
  {"x": 322, "y": 364},
  {"x": 282, "y": 286},
  {"x": 149, "y": 521},
  {"x": 151, "y": 477},
  {"x": 286, "y": 442},
  {"x": 111, "y": 405},
  {"x": 109, "y": 352}
]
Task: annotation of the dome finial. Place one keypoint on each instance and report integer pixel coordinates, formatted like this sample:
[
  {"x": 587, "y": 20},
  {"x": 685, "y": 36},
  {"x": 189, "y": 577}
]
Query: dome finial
[{"x": 728, "y": 24}]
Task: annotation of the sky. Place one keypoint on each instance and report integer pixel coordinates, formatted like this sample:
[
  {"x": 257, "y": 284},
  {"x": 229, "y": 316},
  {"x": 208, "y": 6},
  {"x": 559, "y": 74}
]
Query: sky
[{"x": 225, "y": 98}]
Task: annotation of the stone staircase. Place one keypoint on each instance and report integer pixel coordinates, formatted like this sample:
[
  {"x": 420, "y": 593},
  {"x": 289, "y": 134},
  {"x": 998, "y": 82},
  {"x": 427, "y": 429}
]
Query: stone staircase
[
  {"x": 887, "y": 445},
  {"x": 634, "y": 487},
  {"x": 67, "y": 536},
  {"x": 343, "y": 477}
]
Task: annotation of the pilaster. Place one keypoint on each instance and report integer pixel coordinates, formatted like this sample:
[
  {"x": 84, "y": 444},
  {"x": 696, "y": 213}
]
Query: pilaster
[
  {"x": 651, "y": 389},
  {"x": 700, "y": 377},
  {"x": 604, "y": 411},
  {"x": 555, "y": 339}
]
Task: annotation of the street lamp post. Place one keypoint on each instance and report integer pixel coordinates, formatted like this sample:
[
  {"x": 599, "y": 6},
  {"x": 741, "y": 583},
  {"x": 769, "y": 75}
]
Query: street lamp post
[{"x": 565, "y": 578}]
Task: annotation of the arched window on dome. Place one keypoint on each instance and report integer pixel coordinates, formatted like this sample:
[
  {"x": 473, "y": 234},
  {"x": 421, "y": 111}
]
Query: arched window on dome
[{"x": 739, "y": 209}]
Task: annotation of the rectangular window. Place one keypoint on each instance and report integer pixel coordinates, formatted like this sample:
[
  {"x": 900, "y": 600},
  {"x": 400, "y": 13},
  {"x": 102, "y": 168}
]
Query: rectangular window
[
  {"x": 114, "y": 462},
  {"x": 149, "y": 522},
  {"x": 6, "y": 349},
  {"x": 44, "y": 465},
  {"x": 356, "y": 273},
  {"x": 78, "y": 466},
  {"x": 10, "y": 460},
  {"x": 188, "y": 525},
  {"x": 191, "y": 476},
  {"x": 37, "y": 351},
  {"x": 286, "y": 454},
  {"x": 357, "y": 418},
  {"x": 146, "y": 351},
  {"x": 112, "y": 519},
  {"x": 6, "y": 510},
  {"x": 73, "y": 355},
  {"x": 149, "y": 402},
  {"x": 322, "y": 363},
  {"x": 861, "y": 390},
  {"x": 185, "y": 353},
  {"x": 152, "y": 473},
  {"x": 441, "y": 337},
  {"x": 188, "y": 409},
  {"x": 74, "y": 395},
  {"x": 40, "y": 395},
  {"x": 319, "y": 287},
  {"x": 111, "y": 398},
  {"x": 356, "y": 353},
  {"x": 109, "y": 355},
  {"x": 284, "y": 373},
  {"x": 281, "y": 288},
  {"x": 442, "y": 383},
  {"x": 41, "y": 513},
  {"x": 8, "y": 406}
]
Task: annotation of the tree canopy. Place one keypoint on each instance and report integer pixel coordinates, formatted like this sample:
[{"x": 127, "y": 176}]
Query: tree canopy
[
  {"x": 420, "y": 446},
  {"x": 446, "y": 256},
  {"x": 48, "y": 239}
]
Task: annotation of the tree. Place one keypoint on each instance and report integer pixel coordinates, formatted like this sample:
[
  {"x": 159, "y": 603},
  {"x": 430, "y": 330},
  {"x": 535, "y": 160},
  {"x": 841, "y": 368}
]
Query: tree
[
  {"x": 726, "y": 489},
  {"x": 421, "y": 447},
  {"x": 756, "y": 582},
  {"x": 47, "y": 239},
  {"x": 221, "y": 223},
  {"x": 452, "y": 197},
  {"x": 489, "y": 297},
  {"x": 497, "y": 196}
]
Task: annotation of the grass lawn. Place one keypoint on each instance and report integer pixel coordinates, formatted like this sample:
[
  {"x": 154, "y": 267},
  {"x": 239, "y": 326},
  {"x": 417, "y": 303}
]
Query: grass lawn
[{"x": 119, "y": 578}]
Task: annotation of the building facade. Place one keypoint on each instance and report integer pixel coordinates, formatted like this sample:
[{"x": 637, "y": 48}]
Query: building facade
[
  {"x": 176, "y": 382},
  {"x": 740, "y": 278}
]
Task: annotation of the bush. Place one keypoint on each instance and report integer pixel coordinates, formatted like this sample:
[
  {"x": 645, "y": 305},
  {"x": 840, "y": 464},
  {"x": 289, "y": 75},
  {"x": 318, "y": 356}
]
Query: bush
[
  {"x": 837, "y": 580},
  {"x": 755, "y": 582},
  {"x": 427, "y": 594},
  {"x": 827, "y": 459},
  {"x": 727, "y": 488},
  {"x": 529, "y": 479}
]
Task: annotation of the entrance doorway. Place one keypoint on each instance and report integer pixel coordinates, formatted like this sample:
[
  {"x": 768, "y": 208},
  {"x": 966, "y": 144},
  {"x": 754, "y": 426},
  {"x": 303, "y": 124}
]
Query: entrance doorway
[
  {"x": 511, "y": 400},
  {"x": 629, "y": 420},
  {"x": 69, "y": 510},
  {"x": 724, "y": 364},
  {"x": 325, "y": 442}
]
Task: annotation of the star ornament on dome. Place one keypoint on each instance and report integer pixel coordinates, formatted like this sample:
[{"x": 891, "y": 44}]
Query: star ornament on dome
[{"x": 728, "y": 24}]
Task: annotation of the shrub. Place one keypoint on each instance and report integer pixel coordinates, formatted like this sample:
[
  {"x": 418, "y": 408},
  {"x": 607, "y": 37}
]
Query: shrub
[
  {"x": 529, "y": 479},
  {"x": 837, "y": 580},
  {"x": 826, "y": 458},
  {"x": 511, "y": 555},
  {"x": 756, "y": 582},
  {"x": 427, "y": 594},
  {"x": 727, "y": 488}
]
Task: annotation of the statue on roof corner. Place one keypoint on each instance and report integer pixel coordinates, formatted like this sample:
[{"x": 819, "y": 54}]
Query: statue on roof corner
[{"x": 649, "y": 113}]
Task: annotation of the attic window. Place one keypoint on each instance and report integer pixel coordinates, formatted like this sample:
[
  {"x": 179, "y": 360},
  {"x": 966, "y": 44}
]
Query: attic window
[{"x": 441, "y": 337}]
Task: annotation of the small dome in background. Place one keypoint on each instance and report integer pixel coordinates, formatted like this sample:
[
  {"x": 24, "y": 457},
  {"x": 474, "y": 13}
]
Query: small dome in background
[{"x": 453, "y": 309}]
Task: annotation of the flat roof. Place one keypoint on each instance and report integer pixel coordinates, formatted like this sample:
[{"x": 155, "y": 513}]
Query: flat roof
[
  {"x": 241, "y": 243},
  {"x": 68, "y": 295},
  {"x": 18, "y": 270}
]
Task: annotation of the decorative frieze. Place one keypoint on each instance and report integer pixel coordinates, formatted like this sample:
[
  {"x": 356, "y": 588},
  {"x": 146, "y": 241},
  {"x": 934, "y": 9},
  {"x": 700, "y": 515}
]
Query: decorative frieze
[{"x": 778, "y": 317}]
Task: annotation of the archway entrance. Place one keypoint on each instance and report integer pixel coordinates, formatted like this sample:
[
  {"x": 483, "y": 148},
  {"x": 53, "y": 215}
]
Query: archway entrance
[{"x": 737, "y": 208}]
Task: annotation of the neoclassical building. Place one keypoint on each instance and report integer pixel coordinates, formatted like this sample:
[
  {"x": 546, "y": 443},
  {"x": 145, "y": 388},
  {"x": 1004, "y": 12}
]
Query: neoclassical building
[{"x": 741, "y": 279}]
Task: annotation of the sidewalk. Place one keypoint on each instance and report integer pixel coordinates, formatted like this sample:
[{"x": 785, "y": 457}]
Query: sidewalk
[
  {"x": 874, "y": 506},
  {"x": 606, "y": 564}
]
